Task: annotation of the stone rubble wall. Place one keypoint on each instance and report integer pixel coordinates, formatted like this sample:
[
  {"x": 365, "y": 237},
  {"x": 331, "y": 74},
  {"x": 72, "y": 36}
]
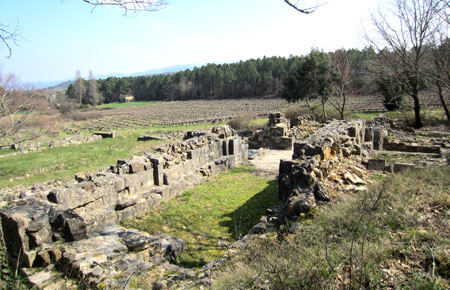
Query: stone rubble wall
[
  {"x": 280, "y": 133},
  {"x": 300, "y": 180},
  {"x": 38, "y": 224}
]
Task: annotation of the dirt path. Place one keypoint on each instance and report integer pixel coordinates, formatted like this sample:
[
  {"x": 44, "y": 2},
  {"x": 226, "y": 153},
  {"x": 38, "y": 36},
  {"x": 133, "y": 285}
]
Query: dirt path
[{"x": 268, "y": 164}]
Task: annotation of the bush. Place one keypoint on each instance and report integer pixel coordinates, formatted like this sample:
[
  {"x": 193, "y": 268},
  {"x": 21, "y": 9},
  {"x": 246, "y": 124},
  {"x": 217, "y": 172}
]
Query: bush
[
  {"x": 392, "y": 92},
  {"x": 293, "y": 112},
  {"x": 241, "y": 121},
  {"x": 66, "y": 107}
]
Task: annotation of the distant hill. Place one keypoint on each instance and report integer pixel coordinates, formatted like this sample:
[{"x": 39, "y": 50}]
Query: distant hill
[{"x": 62, "y": 85}]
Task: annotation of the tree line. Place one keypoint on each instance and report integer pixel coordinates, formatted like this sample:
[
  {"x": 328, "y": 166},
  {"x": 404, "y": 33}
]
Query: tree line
[{"x": 254, "y": 78}]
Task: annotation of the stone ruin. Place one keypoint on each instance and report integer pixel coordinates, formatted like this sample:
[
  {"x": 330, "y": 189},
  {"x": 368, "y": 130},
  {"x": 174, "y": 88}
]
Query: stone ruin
[
  {"x": 281, "y": 133},
  {"x": 74, "y": 229},
  {"x": 301, "y": 180}
]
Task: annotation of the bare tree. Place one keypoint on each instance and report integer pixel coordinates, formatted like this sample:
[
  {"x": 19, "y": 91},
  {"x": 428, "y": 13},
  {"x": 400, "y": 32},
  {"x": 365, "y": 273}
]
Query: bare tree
[
  {"x": 343, "y": 83},
  {"x": 439, "y": 71},
  {"x": 408, "y": 37},
  {"x": 131, "y": 5},
  {"x": 79, "y": 87},
  {"x": 15, "y": 107},
  {"x": 92, "y": 90}
]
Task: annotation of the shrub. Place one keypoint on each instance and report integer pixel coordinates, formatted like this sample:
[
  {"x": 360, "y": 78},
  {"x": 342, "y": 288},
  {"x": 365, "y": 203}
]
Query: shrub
[
  {"x": 241, "y": 121},
  {"x": 392, "y": 91},
  {"x": 66, "y": 107},
  {"x": 293, "y": 112}
]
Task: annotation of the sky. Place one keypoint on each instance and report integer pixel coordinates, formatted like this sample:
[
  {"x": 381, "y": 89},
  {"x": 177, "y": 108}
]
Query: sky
[{"x": 59, "y": 37}]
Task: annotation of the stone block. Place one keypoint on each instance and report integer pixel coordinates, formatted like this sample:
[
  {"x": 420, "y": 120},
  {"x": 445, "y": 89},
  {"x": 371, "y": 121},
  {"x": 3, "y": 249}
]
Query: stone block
[
  {"x": 376, "y": 164},
  {"x": 68, "y": 224},
  {"x": 158, "y": 171},
  {"x": 378, "y": 137},
  {"x": 136, "y": 167},
  {"x": 368, "y": 134},
  {"x": 286, "y": 143},
  {"x": 119, "y": 184}
]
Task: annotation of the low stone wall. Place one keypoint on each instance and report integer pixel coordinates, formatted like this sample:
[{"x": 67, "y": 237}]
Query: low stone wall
[
  {"x": 300, "y": 180},
  {"x": 38, "y": 225}
]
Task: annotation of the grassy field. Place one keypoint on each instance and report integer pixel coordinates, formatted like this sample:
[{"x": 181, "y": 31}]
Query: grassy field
[
  {"x": 395, "y": 236},
  {"x": 123, "y": 105},
  {"x": 62, "y": 162},
  {"x": 213, "y": 215}
]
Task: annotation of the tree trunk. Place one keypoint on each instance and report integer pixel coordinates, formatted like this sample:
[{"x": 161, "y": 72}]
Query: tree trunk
[
  {"x": 418, "y": 119},
  {"x": 442, "y": 99}
]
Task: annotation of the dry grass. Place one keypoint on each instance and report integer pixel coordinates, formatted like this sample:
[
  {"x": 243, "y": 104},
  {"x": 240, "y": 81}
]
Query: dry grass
[{"x": 395, "y": 236}]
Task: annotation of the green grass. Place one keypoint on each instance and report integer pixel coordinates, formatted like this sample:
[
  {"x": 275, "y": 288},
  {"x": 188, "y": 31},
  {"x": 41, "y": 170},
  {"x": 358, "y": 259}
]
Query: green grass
[
  {"x": 63, "y": 162},
  {"x": 221, "y": 210},
  {"x": 395, "y": 236},
  {"x": 259, "y": 123},
  {"x": 6, "y": 151},
  {"x": 369, "y": 115},
  {"x": 122, "y": 105}
]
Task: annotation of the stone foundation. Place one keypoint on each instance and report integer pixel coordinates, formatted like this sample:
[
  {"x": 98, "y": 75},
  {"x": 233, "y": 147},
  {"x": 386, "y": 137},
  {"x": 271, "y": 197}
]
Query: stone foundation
[{"x": 74, "y": 225}]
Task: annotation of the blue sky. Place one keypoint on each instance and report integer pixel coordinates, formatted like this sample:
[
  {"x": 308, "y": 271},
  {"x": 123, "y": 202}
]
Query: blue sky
[{"x": 60, "y": 36}]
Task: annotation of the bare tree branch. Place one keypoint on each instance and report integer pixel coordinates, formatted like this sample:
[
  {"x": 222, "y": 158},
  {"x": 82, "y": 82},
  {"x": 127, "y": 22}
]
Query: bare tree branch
[
  {"x": 8, "y": 37},
  {"x": 302, "y": 10},
  {"x": 131, "y": 5}
]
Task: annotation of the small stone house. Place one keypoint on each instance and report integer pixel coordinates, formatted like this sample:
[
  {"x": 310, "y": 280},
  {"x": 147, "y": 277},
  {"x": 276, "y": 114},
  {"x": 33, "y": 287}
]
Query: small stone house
[{"x": 126, "y": 98}]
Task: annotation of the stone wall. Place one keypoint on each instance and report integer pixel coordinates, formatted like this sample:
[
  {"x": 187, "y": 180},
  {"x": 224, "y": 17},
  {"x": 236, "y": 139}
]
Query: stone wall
[
  {"x": 300, "y": 180},
  {"x": 280, "y": 133},
  {"x": 38, "y": 225}
]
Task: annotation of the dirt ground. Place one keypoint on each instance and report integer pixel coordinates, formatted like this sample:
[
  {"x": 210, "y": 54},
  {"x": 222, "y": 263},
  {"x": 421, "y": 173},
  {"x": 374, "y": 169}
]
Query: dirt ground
[{"x": 267, "y": 164}]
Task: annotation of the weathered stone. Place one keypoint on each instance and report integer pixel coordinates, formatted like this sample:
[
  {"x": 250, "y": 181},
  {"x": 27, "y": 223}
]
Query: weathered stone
[
  {"x": 123, "y": 204},
  {"x": 106, "y": 134},
  {"x": 223, "y": 131},
  {"x": 137, "y": 242},
  {"x": 353, "y": 179},
  {"x": 119, "y": 184},
  {"x": 376, "y": 164},
  {"x": 378, "y": 137},
  {"x": 321, "y": 192},
  {"x": 137, "y": 167},
  {"x": 70, "y": 225},
  {"x": 21, "y": 215}
]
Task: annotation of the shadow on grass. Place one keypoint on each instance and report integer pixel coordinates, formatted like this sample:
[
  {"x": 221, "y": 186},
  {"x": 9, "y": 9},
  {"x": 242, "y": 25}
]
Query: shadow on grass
[{"x": 241, "y": 220}]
